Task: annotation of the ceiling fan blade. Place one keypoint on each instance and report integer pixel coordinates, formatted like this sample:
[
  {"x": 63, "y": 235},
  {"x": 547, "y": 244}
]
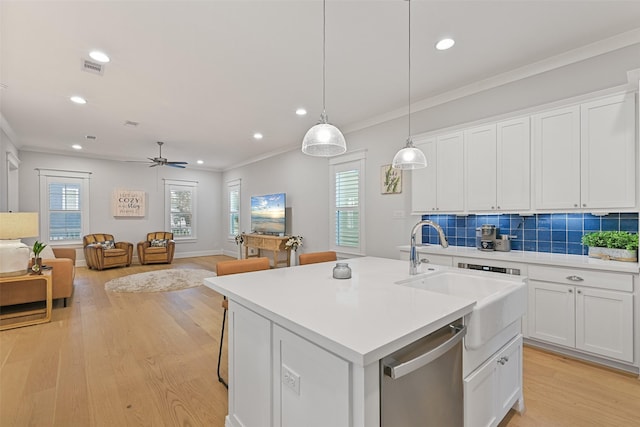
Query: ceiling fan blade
[
  {"x": 173, "y": 165},
  {"x": 154, "y": 165},
  {"x": 177, "y": 163}
]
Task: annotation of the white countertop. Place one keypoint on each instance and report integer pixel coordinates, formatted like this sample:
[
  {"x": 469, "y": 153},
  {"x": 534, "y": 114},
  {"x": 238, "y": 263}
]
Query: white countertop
[
  {"x": 542, "y": 258},
  {"x": 361, "y": 319}
]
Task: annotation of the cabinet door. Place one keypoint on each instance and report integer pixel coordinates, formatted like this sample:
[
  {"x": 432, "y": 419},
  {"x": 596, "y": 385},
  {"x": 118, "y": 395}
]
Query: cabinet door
[
  {"x": 479, "y": 396},
  {"x": 450, "y": 173},
  {"x": 249, "y": 367},
  {"x": 509, "y": 384},
  {"x": 311, "y": 385},
  {"x": 513, "y": 186},
  {"x": 423, "y": 181},
  {"x": 480, "y": 159},
  {"x": 556, "y": 146},
  {"x": 608, "y": 153},
  {"x": 551, "y": 313},
  {"x": 604, "y": 323}
]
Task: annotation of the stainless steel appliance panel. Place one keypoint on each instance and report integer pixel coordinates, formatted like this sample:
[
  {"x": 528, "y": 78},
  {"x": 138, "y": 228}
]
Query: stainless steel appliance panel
[{"x": 421, "y": 384}]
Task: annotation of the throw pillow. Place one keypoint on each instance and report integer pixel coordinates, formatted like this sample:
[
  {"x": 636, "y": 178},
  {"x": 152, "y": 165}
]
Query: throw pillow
[
  {"x": 47, "y": 253},
  {"x": 109, "y": 244},
  {"x": 158, "y": 243}
]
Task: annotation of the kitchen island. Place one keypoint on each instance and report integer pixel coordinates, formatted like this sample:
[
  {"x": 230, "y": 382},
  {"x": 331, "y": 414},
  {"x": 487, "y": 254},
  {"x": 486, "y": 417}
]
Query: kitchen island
[{"x": 304, "y": 348}]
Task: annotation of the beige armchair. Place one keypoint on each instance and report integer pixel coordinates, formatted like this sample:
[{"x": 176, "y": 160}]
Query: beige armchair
[
  {"x": 102, "y": 251},
  {"x": 158, "y": 248}
]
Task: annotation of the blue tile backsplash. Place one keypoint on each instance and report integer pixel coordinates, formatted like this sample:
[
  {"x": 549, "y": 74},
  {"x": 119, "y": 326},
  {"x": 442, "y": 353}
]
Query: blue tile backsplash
[{"x": 558, "y": 233}]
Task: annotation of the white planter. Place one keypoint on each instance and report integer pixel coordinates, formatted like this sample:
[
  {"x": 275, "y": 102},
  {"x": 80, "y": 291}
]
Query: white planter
[
  {"x": 239, "y": 251},
  {"x": 613, "y": 254},
  {"x": 293, "y": 260}
]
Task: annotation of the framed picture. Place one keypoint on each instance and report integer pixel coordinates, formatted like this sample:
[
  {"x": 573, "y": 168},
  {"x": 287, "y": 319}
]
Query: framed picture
[
  {"x": 128, "y": 203},
  {"x": 390, "y": 180}
]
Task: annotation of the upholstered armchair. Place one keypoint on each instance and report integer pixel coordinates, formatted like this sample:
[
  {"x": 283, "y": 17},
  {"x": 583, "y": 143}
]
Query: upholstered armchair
[
  {"x": 158, "y": 248},
  {"x": 102, "y": 251}
]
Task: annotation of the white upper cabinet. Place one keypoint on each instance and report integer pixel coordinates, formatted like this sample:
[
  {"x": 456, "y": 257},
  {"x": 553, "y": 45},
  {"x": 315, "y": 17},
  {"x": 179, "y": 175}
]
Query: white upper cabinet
[
  {"x": 497, "y": 158},
  {"x": 585, "y": 156},
  {"x": 513, "y": 165},
  {"x": 608, "y": 153},
  {"x": 440, "y": 186},
  {"x": 556, "y": 152}
]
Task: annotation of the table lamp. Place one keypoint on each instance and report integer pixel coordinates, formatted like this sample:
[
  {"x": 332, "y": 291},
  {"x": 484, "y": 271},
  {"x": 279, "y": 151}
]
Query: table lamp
[{"x": 14, "y": 255}]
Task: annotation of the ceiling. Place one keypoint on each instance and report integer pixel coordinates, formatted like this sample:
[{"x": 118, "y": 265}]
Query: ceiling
[{"x": 204, "y": 76}]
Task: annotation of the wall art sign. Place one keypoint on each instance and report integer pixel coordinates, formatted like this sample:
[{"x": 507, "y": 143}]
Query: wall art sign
[
  {"x": 390, "y": 180},
  {"x": 128, "y": 203}
]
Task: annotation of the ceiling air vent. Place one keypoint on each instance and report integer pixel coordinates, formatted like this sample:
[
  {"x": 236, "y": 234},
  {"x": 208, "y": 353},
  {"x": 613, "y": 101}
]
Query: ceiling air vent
[{"x": 92, "y": 67}]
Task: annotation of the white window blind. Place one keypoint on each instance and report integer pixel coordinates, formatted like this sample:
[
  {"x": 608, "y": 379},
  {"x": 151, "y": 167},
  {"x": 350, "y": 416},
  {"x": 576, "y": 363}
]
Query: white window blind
[
  {"x": 233, "y": 188},
  {"x": 347, "y": 203},
  {"x": 181, "y": 207},
  {"x": 64, "y": 205}
]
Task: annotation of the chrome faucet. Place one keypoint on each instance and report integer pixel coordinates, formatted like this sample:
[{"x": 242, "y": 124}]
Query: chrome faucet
[{"x": 414, "y": 262}]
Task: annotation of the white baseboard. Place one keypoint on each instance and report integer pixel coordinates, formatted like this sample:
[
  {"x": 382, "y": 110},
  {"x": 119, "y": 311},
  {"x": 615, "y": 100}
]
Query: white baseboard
[{"x": 134, "y": 260}]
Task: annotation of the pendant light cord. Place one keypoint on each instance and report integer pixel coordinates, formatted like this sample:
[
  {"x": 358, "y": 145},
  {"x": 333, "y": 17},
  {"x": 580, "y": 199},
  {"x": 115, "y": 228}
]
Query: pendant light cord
[
  {"x": 324, "y": 58},
  {"x": 409, "y": 92}
]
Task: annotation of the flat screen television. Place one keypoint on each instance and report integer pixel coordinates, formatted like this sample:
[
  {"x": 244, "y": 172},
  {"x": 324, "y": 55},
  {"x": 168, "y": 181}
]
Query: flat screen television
[{"x": 268, "y": 214}]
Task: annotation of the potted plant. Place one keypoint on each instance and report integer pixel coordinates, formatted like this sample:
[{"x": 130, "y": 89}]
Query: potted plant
[
  {"x": 37, "y": 261},
  {"x": 612, "y": 245}
]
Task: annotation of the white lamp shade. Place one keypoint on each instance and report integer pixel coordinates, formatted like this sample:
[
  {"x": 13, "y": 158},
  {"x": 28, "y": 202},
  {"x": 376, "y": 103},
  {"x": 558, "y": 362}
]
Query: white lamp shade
[
  {"x": 409, "y": 158},
  {"x": 16, "y": 225},
  {"x": 324, "y": 140}
]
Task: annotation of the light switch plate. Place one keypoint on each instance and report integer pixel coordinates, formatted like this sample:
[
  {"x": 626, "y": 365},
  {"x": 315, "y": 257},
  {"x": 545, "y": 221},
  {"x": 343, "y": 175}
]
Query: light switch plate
[{"x": 290, "y": 379}]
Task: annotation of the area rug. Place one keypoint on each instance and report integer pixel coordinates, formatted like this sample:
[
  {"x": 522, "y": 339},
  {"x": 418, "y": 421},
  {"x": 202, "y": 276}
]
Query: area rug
[{"x": 159, "y": 281}]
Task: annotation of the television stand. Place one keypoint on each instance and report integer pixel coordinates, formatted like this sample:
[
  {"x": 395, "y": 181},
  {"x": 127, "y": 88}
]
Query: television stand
[{"x": 267, "y": 243}]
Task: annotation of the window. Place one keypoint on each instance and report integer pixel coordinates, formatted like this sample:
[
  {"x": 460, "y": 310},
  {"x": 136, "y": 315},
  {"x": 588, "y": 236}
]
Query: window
[
  {"x": 233, "y": 190},
  {"x": 347, "y": 198},
  {"x": 180, "y": 204},
  {"x": 64, "y": 205}
]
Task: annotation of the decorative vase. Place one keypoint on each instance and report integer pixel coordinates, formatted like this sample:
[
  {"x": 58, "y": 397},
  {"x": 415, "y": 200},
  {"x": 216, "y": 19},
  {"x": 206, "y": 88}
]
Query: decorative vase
[
  {"x": 240, "y": 251},
  {"x": 293, "y": 261},
  {"x": 342, "y": 271},
  {"x": 613, "y": 254},
  {"x": 36, "y": 265}
]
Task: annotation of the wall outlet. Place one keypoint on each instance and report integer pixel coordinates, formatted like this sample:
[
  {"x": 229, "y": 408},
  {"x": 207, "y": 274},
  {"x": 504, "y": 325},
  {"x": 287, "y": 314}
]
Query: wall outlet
[{"x": 290, "y": 379}]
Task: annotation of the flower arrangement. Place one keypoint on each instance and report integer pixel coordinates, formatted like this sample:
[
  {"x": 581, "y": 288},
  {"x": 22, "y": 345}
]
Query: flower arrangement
[
  {"x": 293, "y": 242},
  {"x": 37, "y": 248},
  {"x": 239, "y": 239}
]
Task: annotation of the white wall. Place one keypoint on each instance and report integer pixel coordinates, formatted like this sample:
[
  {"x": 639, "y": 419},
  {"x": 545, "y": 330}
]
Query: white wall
[{"x": 107, "y": 176}]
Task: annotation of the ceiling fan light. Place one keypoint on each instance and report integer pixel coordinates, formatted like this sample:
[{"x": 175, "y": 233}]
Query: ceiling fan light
[
  {"x": 324, "y": 140},
  {"x": 409, "y": 158}
]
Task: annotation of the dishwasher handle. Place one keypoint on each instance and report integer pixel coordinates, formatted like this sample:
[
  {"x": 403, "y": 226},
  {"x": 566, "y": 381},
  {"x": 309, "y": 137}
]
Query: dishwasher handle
[{"x": 395, "y": 370}]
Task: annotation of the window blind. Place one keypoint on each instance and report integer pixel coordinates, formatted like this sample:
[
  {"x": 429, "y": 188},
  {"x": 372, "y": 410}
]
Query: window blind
[
  {"x": 65, "y": 214},
  {"x": 347, "y": 211}
]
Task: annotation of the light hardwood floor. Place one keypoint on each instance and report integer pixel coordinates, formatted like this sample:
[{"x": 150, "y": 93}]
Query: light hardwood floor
[{"x": 149, "y": 359}]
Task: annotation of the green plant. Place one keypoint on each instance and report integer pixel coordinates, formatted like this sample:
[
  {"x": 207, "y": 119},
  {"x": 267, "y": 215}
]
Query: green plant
[
  {"x": 37, "y": 248},
  {"x": 611, "y": 239}
]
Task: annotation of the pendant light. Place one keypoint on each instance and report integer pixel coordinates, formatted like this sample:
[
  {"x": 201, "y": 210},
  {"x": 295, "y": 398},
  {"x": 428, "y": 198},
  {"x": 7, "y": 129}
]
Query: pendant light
[
  {"x": 409, "y": 157},
  {"x": 324, "y": 139}
]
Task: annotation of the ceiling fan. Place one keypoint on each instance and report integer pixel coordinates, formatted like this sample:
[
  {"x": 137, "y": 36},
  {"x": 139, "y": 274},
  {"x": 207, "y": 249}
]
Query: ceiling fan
[{"x": 161, "y": 161}]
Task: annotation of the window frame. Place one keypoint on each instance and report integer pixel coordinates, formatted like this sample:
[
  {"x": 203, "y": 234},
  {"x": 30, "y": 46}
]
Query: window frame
[
  {"x": 233, "y": 186},
  {"x": 53, "y": 176},
  {"x": 349, "y": 161},
  {"x": 182, "y": 185}
]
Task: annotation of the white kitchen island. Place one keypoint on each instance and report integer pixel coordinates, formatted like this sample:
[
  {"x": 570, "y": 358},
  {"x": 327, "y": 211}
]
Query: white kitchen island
[{"x": 304, "y": 348}]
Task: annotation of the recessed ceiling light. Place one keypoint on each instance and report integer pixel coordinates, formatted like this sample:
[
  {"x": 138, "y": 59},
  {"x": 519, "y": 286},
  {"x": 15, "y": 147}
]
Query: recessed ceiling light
[
  {"x": 78, "y": 99},
  {"x": 301, "y": 111},
  {"x": 99, "y": 56},
  {"x": 91, "y": 137},
  {"x": 445, "y": 44},
  {"x": 200, "y": 162},
  {"x": 76, "y": 147},
  {"x": 257, "y": 135}
]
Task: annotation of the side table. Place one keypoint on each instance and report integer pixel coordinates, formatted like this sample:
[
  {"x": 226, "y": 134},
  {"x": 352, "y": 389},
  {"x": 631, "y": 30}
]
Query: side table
[{"x": 29, "y": 280}]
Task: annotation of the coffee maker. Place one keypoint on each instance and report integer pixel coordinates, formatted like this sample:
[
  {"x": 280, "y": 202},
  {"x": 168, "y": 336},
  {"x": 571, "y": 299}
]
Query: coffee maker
[{"x": 486, "y": 236}]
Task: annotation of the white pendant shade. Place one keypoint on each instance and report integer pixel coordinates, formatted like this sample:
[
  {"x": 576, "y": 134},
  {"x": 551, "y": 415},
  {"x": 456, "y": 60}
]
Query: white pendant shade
[
  {"x": 323, "y": 140},
  {"x": 409, "y": 158}
]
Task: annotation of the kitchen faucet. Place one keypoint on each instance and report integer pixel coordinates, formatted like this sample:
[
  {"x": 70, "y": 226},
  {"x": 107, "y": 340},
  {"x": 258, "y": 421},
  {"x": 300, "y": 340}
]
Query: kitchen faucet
[{"x": 414, "y": 262}]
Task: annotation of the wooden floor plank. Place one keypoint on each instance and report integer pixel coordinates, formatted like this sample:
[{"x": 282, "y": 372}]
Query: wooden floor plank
[{"x": 147, "y": 359}]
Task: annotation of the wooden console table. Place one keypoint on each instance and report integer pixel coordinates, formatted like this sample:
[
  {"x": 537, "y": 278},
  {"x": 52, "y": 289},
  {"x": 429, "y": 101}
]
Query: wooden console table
[
  {"x": 268, "y": 243},
  {"x": 29, "y": 280}
]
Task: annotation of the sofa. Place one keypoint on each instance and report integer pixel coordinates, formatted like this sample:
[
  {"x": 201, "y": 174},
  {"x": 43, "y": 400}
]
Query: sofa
[{"x": 62, "y": 274}]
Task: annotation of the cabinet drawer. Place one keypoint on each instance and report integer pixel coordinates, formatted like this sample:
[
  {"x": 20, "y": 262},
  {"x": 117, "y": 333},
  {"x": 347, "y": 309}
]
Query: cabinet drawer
[{"x": 579, "y": 277}]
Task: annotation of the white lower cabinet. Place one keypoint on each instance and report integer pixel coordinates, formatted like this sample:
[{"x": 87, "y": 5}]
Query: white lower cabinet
[
  {"x": 594, "y": 320},
  {"x": 493, "y": 388}
]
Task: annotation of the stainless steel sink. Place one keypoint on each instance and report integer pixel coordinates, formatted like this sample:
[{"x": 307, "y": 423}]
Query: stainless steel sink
[{"x": 500, "y": 300}]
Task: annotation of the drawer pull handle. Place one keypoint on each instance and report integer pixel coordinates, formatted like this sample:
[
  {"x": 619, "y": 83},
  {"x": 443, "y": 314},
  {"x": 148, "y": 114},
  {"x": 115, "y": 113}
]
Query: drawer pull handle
[
  {"x": 575, "y": 278},
  {"x": 503, "y": 360}
]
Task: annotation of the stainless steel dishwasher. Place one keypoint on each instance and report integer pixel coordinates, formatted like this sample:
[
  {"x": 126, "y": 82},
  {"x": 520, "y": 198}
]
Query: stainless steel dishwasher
[{"x": 421, "y": 384}]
